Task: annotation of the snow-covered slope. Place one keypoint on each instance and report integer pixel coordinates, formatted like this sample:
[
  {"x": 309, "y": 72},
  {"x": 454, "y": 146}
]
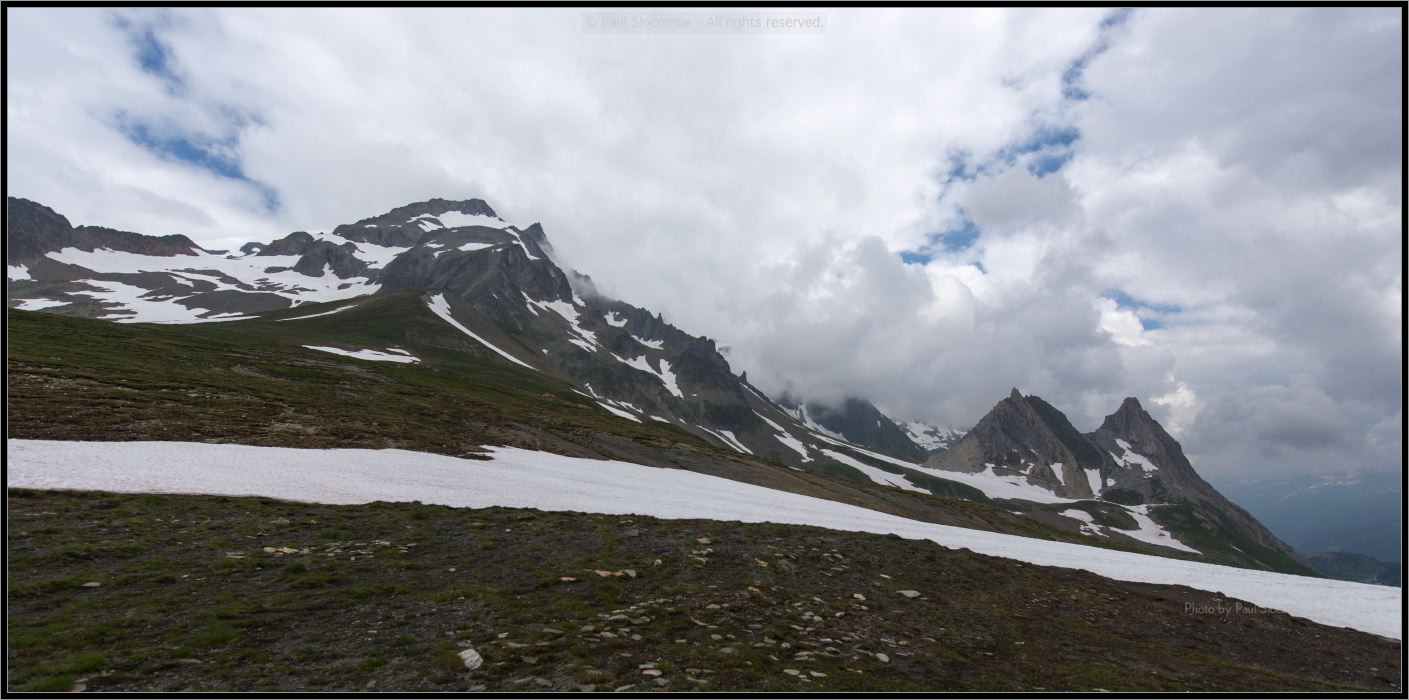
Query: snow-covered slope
[
  {"x": 527, "y": 479},
  {"x": 931, "y": 437}
]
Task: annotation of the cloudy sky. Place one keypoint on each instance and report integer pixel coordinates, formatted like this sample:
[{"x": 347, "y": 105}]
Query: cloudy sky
[{"x": 1200, "y": 208}]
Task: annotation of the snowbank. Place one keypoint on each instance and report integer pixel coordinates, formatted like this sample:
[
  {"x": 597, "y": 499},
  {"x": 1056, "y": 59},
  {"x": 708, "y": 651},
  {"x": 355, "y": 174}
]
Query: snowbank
[{"x": 527, "y": 479}]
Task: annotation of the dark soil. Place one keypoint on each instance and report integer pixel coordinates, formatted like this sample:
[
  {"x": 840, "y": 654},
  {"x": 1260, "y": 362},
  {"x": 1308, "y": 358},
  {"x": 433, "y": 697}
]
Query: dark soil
[{"x": 384, "y": 596}]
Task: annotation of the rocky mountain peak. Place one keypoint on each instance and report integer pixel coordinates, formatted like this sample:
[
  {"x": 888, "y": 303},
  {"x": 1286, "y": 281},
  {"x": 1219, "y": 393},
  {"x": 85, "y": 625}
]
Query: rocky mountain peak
[
  {"x": 438, "y": 206},
  {"x": 1028, "y": 437},
  {"x": 1135, "y": 425}
]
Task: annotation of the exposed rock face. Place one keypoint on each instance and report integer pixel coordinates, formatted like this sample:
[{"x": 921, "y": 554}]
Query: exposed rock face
[
  {"x": 399, "y": 226},
  {"x": 1174, "y": 479},
  {"x": 1129, "y": 459},
  {"x": 861, "y": 423},
  {"x": 32, "y": 229},
  {"x": 1027, "y": 436}
]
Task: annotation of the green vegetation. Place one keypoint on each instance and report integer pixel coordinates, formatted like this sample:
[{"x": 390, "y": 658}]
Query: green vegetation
[
  {"x": 1222, "y": 544},
  {"x": 252, "y": 382},
  {"x": 384, "y": 596}
]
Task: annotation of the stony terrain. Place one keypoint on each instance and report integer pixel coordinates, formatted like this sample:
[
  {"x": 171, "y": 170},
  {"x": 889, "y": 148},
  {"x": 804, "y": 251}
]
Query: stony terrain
[{"x": 142, "y": 592}]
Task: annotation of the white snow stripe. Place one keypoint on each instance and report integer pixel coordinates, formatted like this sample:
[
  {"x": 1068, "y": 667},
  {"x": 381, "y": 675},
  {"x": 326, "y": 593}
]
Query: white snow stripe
[
  {"x": 441, "y": 308},
  {"x": 325, "y": 313},
  {"x": 876, "y": 474},
  {"x": 392, "y": 355},
  {"x": 518, "y": 478}
]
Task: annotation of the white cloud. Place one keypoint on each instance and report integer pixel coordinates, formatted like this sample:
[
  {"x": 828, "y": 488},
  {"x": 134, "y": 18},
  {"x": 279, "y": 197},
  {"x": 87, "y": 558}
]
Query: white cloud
[{"x": 1240, "y": 167}]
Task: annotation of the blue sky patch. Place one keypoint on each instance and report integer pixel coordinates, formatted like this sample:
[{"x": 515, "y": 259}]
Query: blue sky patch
[
  {"x": 955, "y": 239},
  {"x": 1147, "y": 311},
  {"x": 153, "y": 55},
  {"x": 1072, "y": 89},
  {"x": 217, "y": 155},
  {"x": 214, "y": 155}
]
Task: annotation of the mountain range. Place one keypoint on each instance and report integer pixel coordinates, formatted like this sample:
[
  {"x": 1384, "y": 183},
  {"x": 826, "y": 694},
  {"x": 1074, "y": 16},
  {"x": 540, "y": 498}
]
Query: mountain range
[{"x": 442, "y": 275}]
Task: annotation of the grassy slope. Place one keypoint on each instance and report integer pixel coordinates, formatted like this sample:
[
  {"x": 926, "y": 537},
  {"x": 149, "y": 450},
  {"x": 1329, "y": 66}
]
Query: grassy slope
[
  {"x": 382, "y": 596},
  {"x": 252, "y": 382},
  {"x": 1217, "y": 543}
]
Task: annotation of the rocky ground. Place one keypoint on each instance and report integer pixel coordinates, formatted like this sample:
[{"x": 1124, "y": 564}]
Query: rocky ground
[{"x": 165, "y": 593}]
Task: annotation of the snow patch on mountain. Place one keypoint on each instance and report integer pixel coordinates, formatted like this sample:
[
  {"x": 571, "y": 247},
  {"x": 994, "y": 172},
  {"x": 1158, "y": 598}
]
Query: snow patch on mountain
[
  {"x": 1130, "y": 458},
  {"x": 664, "y": 374},
  {"x": 1093, "y": 480},
  {"x": 583, "y": 338},
  {"x": 17, "y": 273},
  {"x": 456, "y": 219},
  {"x": 930, "y": 437},
  {"x": 880, "y": 476},
  {"x": 389, "y": 355},
  {"x": 441, "y": 308},
  {"x": 1150, "y": 531},
  {"x": 728, "y": 438},
  {"x": 250, "y": 273},
  {"x": 37, "y": 304},
  {"x": 147, "y": 309},
  {"x": 995, "y": 485},
  {"x": 1088, "y": 523},
  {"x": 376, "y": 256},
  {"x": 800, "y": 415},
  {"x": 325, "y": 313},
  {"x": 787, "y": 438},
  {"x": 618, "y": 411}
]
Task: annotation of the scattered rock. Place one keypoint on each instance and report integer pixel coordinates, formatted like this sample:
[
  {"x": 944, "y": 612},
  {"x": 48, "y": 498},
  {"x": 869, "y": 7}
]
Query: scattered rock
[
  {"x": 652, "y": 672},
  {"x": 566, "y": 579},
  {"x": 909, "y": 594},
  {"x": 882, "y": 658},
  {"x": 704, "y": 540},
  {"x": 791, "y": 671},
  {"x": 632, "y": 532},
  {"x": 858, "y": 596},
  {"x": 471, "y": 658},
  {"x": 92, "y": 584}
]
